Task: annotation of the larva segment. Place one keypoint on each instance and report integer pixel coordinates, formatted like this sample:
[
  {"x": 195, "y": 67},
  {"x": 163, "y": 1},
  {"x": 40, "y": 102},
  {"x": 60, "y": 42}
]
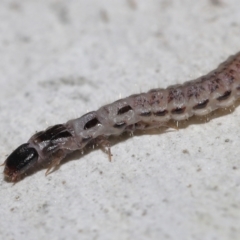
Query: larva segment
[
  {"x": 218, "y": 89},
  {"x": 158, "y": 101}
]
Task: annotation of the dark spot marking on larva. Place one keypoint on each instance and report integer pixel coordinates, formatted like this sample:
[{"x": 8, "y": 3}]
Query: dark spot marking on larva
[
  {"x": 161, "y": 113},
  {"x": 230, "y": 78},
  {"x": 119, "y": 125},
  {"x": 231, "y": 71},
  {"x": 238, "y": 65},
  {"x": 214, "y": 84},
  {"x": 225, "y": 96},
  {"x": 203, "y": 79},
  {"x": 194, "y": 90},
  {"x": 170, "y": 96},
  {"x": 145, "y": 114},
  {"x": 223, "y": 69},
  {"x": 176, "y": 94},
  {"x": 124, "y": 110},
  {"x": 201, "y": 105},
  {"x": 137, "y": 125},
  {"x": 178, "y": 110},
  {"x": 106, "y": 109},
  {"x": 141, "y": 101},
  {"x": 92, "y": 123},
  {"x": 155, "y": 97}
]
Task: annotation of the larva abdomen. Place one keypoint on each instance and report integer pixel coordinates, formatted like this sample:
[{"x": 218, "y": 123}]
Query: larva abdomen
[{"x": 218, "y": 89}]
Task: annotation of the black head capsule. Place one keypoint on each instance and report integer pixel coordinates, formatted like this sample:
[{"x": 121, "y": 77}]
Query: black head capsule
[{"x": 19, "y": 161}]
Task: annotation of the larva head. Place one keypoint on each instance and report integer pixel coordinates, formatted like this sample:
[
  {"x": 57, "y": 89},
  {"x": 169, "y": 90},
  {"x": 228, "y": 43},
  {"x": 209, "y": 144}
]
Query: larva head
[{"x": 19, "y": 161}]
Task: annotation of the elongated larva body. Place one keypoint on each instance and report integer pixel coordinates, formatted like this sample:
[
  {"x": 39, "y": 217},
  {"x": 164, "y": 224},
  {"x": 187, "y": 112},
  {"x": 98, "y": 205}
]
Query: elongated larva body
[{"x": 218, "y": 89}]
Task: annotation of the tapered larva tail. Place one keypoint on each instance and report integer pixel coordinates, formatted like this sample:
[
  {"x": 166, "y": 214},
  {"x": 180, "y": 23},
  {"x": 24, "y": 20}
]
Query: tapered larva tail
[{"x": 218, "y": 89}]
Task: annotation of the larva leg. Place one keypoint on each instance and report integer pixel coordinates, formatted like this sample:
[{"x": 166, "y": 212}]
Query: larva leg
[
  {"x": 105, "y": 146},
  {"x": 55, "y": 163},
  {"x": 172, "y": 126}
]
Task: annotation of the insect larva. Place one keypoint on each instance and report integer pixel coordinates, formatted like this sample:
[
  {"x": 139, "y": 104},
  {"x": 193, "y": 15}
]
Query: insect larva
[{"x": 218, "y": 89}]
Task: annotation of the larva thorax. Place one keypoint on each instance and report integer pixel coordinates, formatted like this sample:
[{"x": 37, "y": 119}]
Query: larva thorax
[{"x": 218, "y": 89}]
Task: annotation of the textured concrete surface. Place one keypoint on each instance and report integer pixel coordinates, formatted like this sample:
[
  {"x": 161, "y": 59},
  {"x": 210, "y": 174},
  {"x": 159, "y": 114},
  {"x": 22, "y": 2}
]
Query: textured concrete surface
[{"x": 60, "y": 59}]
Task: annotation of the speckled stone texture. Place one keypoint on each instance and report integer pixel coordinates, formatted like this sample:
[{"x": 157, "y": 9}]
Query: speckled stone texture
[{"x": 60, "y": 59}]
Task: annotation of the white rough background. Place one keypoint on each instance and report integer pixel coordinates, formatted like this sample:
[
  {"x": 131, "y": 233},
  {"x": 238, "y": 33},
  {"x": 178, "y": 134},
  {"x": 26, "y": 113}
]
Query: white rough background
[{"x": 60, "y": 59}]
